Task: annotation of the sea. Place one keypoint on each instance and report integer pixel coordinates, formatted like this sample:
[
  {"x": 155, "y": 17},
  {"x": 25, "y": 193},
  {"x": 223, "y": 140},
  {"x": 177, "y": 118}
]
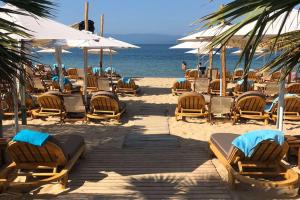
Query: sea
[{"x": 150, "y": 60}]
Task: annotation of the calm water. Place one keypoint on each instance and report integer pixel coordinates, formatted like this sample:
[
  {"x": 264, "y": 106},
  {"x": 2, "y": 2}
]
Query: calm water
[{"x": 148, "y": 61}]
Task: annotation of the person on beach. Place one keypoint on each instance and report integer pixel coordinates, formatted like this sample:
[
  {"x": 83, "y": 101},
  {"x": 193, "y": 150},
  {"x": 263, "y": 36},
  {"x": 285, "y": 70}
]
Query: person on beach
[{"x": 183, "y": 66}]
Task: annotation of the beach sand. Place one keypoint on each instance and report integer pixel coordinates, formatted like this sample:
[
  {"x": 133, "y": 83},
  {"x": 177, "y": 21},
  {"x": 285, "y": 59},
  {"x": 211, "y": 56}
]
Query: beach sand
[{"x": 149, "y": 113}]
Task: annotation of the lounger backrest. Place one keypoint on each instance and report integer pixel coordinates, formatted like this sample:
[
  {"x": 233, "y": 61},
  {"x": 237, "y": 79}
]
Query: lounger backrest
[
  {"x": 74, "y": 103},
  {"x": 267, "y": 152},
  {"x": 191, "y": 100},
  {"x": 252, "y": 75},
  {"x": 193, "y": 74},
  {"x": 238, "y": 73},
  {"x": 184, "y": 85},
  {"x": 105, "y": 103},
  {"x": 293, "y": 88},
  {"x": 92, "y": 81},
  {"x": 50, "y": 101},
  {"x": 251, "y": 101},
  {"x": 72, "y": 73},
  {"x": 29, "y": 156},
  {"x": 201, "y": 85},
  {"x": 90, "y": 71},
  {"x": 239, "y": 87},
  {"x": 38, "y": 83},
  {"x": 275, "y": 76},
  {"x": 130, "y": 85},
  {"x": 215, "y": 85},
  {"x": 291, "y": 104}
]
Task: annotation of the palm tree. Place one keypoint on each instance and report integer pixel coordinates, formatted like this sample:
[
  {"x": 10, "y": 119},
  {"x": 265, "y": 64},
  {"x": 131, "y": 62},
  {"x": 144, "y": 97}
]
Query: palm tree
[
  {"x": 12, "y": 56},
  {"x": 244, "y": 12}
]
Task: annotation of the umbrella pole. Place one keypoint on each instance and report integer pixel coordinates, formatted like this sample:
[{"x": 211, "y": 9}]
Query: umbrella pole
[
  {"x": 58, "y": 51},
  {"x": 223, "y": 70},
  {"x": 16, "y": 107},
  {"x": 23, "y": 88},
  {"x": 85, "y": 65},
  {"x": 111, "y": 69},
  {"x": 101, "y": 51},
  {"x": 210, "y": 63},
  {"x": 280, "y": 110}
]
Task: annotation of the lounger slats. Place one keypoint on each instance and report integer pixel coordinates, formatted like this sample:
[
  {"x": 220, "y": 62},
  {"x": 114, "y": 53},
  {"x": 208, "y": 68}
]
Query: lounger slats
[{"x": 293, "y": 88}]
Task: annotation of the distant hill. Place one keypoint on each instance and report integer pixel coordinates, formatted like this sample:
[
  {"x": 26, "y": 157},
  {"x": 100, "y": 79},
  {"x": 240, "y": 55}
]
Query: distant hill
[{"x": 146, "y": 38}]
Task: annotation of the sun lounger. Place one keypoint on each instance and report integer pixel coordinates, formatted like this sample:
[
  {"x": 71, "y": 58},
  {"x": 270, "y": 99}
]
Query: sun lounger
[
  {"x": 127, "y": 88},
  {"x": 38, "y": 85},
  {"x": 264, "y": 168},
  {"x": 293, "y": 88},
  {"x": 191, "y": 104},
  {"x": 291, "y": 108},
  {"x": 181, "y": 86},
  {"x": 72, "y": 73},
  {"x": 250, "y": 105},
  {"x": 51, "y": 104},
  {"x": 239, "y": 88},
  {"x": 271, "y": 89},
  {"x": 92, "y": 83},
  {"x": 253, "y": 76},
  {"x": 106, "y": 105},
  {"x": 201, "y": 85},
  {"x": 220, "y": 107},
  {"x": 103, "y": 84},
  {"x": 238, "y": 74},
  {"x": 74, "y": 107},
  {"x": 192, "y": 75},
  {"x": 49, "y": 163},
  {"x": 214, "y": 87}
]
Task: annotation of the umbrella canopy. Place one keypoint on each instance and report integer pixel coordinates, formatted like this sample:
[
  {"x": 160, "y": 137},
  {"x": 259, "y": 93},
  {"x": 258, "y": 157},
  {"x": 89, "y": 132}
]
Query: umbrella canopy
[
  {"x": 208, "y": 33},
  {"x": 257, "y": 52},
  {"x": 51, "y": 50},
  {"x": 41, "y": 28},
  {"x": 191, "y": 45},
  {"x": 197, "y": 52},
  {"x": 105, "y": 51}
]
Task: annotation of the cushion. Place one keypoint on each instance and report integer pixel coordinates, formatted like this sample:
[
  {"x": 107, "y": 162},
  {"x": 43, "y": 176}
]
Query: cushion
[
  {"x": 68, "y": 143},
  {"x": 222, "y": 142}
]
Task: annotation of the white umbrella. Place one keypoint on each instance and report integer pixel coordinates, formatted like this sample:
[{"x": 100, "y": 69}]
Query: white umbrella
[
  {"x": 206, "y": 52},
  {"x": 105, "y": 51},
  {"x": 257, "y": 52},
  {"x": 191, "y": 45},
  {"x": 51, "y": 50}
]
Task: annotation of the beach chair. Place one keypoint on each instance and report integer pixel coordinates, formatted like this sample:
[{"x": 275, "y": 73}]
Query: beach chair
[
  {"x": 49, "y": 163},
  {"x": 220, "y": 107},
  {"x": 291, "y": 108},
  {"x": 38, "y": 85},
  {"x": 253, "y": 76},
  {"x": 239, "y": 88},
  {"x": 74, "y": 107},
  {"x": 250, "y": 105},
  {"x": 271, "y": 89},
  {"x": 127, "y": 88},
  {"x": 67, "y": 87},
  {"x": 214, "y": 87},
  {"x": 72, "y": 73},
  {"x": 275, "y": 76},
  {"x": 264, "y": 168},
  {"x": 201, "y": 85},
  {"x": 180, "y": 87},
  {"x": 293, "y": 88},
  {"x": 192, "y": 75},
  {"x": 92, "y": 83},
  {"x": 51, "y": 104},
  {"x": 106, "y": 105},
  {"x": 238, "y": 74},
  {"x": 191, "y": 104}
]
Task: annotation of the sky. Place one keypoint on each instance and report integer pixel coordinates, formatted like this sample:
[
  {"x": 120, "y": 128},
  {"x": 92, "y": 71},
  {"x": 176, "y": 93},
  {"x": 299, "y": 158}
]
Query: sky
[{"x": 171, "y": 17}]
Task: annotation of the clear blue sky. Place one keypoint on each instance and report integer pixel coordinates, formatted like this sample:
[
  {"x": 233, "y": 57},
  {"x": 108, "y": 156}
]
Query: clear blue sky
[{"x": 139, "y": 16}]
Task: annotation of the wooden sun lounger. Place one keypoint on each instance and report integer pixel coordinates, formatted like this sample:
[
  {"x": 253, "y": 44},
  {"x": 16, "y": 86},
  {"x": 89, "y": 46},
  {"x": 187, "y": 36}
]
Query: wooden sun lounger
[
  {"x": 103, "y": 84},
  {"x": 293, "y": 88},
  {"x": 239, "y": 89},
  {"x": 72, "y": 73},
  {"x": 214, "y": 87},
  {"x": 106, "y": 105},
  {"x": 291, "y": 109},
  {"x": 50, "y": 105},
  {"x": 192, "y": 75},
  {"x": 238, "y": 74},
  {"x": 74, "y": 107},
  {"x": 181, "y": 87},
  {"x": 263, "y": 169},
  {"x": 41, "y": 165},
  {"x": 127, "y": 88},
  {"x": 191, "y": 104},
  {"x": 250, "y": 105}
]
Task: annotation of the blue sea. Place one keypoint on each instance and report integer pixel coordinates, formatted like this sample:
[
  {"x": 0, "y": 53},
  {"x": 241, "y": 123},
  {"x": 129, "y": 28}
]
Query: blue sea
[{"x": 148, "y": 61}]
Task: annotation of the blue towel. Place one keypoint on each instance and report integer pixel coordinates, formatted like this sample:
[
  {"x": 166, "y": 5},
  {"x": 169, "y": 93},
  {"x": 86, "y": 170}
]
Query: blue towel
[
  {"x": 32, "y": 137},
  {"x": 108, "y": 69},
  {"x": 269, "y": 107},
  {"x": 181, "y": 80},
  {"x": 96, "y": 70},
  {"x": 66, "y": 80},
  {"x": 247, "y": 142},
  {"x": 126, "y": 80}
]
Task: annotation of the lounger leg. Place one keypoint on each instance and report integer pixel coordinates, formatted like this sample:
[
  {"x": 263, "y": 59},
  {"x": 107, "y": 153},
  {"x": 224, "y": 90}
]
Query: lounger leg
[
  {"x": 231, "y": 180},
  {"x": 266, "y": 121},
  {"x": 64, "y": 181}
]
